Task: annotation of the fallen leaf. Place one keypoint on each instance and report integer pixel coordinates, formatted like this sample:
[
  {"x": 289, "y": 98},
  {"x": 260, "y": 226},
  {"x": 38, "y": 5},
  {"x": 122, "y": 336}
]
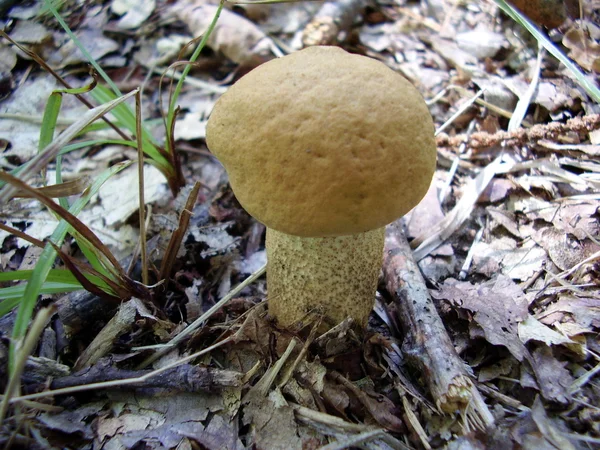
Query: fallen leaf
[
  {"x": 549, "y": 13},
  {"x": 75, "y": 421},
  {"x": 134, "y": 12},
  {"x": 273, "y": 423},
  {"x": 532, "y": 329},
  {"x": 135, "y": 419},
  {"x": 565, "y": 250},
  {"x": 553, "y": 379},
  {"x": 503, "y": 367},
  {"x": 29, "y": 32},
  {"x": 584, "y": 311},
  {"x": 94, "y": 41},
  {"x": 481, "y": 42},
  {"x": 534, "y": 430},
  {"x": 498, "y": 306},
  {"x": 582, "y": 48}
]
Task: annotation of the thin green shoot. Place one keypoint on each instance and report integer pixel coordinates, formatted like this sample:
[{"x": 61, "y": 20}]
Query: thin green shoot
[
  {"x": 82, "y": 48},
  {"x": 543, "y": 40},
  {"x": 47, "y": 257},
  {"x": 186, "y": 70}
]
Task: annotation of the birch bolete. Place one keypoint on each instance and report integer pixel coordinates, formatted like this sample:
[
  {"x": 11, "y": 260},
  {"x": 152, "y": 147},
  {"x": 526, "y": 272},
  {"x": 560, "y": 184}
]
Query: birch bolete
[{"x": 325, "y": 148}]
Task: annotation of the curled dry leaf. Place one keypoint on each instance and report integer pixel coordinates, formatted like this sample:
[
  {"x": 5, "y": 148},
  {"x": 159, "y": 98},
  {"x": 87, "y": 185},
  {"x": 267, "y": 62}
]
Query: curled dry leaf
[
  {"x": 564, "y": 249},
  {"x": 582, "y": 310}
]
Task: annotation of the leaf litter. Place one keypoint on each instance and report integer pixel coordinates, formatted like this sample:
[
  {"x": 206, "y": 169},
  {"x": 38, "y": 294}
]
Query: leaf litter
[{"x": 507, "y": 239}]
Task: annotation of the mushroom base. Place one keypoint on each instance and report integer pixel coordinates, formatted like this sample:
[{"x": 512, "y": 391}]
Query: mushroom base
[{"x": 332, "y": 277}]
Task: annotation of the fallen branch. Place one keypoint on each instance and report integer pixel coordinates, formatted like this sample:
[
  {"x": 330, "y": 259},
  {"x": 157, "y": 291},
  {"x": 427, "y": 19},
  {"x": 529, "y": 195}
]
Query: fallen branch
[
  {"x": 183, "y": 378},
  {"x": 426, "y": 344}
]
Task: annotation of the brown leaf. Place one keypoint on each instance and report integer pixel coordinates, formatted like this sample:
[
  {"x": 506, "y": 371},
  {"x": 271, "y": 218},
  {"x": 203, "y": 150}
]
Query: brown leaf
[
  {"x": 499, "y": 305},
  {"x": 535, "y": 430},
  {"x": 565, "y": 250},
  {"x": 336, "y": 397},
  {"x": 273, "y": 423},
  {"x": 583, "y": 310},
  {"x": 379, "y": 406},
  {"x": 582, "y": 48},
  {"x": 552, "y": 377}
]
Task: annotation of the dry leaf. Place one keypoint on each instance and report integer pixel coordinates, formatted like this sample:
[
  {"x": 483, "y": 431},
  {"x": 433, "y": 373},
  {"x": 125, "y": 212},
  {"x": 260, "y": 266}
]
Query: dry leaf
[
  {"x": 553, "y": 379},
  {"x": 583, "y": 310},
  {"x": 532, "y": 329},
  {"x": 134, "y": 12},
  {"x": 549, "y": 13},
  {"x": 582, "y": 48},
  {"x": 28, "y": 32},
  {"x": 481, "y": 42},
  {"x": 93, "y": 40},
  {"x": 273, "y": 423},
  {"x": 498, "y": 306},
  {"x": 564, "y": 249}
]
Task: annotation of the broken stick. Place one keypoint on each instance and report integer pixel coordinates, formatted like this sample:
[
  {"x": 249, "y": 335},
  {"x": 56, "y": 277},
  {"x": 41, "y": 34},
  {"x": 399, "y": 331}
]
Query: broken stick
[{"x": 426, "y": 343}]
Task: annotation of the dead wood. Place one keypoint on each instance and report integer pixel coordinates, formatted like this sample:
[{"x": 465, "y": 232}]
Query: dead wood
[
  {"x": 426, "y": 342},
  {"x": 183, "y": 378},
  {"x": 332, "y": 19}
]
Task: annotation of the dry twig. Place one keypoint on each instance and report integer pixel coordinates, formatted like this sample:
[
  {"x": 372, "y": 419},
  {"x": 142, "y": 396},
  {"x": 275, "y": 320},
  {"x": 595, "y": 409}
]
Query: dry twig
[{"x": 426, "y": 342}]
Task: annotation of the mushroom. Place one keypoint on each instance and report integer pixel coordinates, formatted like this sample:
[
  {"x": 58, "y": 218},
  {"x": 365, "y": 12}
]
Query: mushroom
[{"x": 325, "y": 148}]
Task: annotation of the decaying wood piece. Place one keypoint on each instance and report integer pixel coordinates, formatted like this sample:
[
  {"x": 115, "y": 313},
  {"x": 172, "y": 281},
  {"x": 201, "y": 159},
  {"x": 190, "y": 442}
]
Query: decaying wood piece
[
  {"x": 121, "y": 323},
  {"x": 333, "y": 18},
  {"x": 182, "y": 378},
  {"x": 426, "y": 342}
]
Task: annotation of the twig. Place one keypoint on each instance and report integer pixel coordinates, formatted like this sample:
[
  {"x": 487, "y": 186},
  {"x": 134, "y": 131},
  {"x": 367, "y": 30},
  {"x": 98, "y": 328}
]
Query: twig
[
  {"x": 125, "y": 382},
  {"x": 413, "y": 422},
  {"x": 187, "y": 378},
  {"x": 426, "y": 342}
]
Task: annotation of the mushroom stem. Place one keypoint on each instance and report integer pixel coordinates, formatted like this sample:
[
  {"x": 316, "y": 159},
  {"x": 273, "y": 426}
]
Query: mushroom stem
[{"x": 335, "y": 277}]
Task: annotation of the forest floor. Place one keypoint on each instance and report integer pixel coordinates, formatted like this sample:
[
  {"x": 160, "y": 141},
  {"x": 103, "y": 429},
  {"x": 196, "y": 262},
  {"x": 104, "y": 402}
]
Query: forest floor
[{"x": 486, "y": 321}]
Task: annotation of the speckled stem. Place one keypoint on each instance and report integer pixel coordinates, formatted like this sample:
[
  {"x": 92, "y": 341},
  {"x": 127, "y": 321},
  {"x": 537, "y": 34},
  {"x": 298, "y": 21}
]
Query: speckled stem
[{"x": 331, "y": 276}]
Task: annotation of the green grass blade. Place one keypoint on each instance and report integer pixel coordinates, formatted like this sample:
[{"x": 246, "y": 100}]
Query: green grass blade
[
  {"x": 81, "y": 47},
  {"x": 584, "y": 81},
  {"x": 49, "y": 120},
  {"x": 55, "y": 275},
  {"x": 186, "y": 70},
  {"x": 10, "y": 297},
  {"x": 42, "y": 159},
  {"x": 47, "y": 257},
  {"x": 125, "y": 115}
]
